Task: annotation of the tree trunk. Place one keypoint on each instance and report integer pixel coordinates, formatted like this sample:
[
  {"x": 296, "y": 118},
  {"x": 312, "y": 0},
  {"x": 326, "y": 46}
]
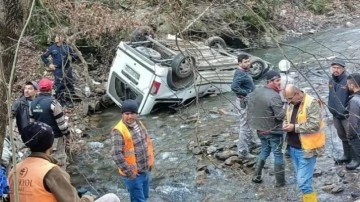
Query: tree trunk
[{"x": 13, "y": 14}]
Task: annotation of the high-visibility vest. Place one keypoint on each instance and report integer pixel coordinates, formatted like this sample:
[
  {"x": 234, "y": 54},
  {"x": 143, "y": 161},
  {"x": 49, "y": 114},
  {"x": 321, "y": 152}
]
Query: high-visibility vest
[
  {"x": 129, "y": 150},
  {"x": 308, "y": 141},
  {"x": 31, "y": 173}
]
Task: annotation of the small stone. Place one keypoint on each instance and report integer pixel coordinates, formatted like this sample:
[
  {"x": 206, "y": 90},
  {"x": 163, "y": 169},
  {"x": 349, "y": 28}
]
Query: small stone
[
  {"x": 225, "y": 154},
  {"x": 317, "y": 173},
  {"x": 196, "y": 150},
  {"x": 99, "y": 91},
  {"x": 349, "y": 24},
  {"x": 222, "y": 112},
  {"x": 328, "y": 188},
  {"x": 211, "y": 150},
  {"x": 340, "y": 173},
  {"x": 231, "y": 160},
  {"x": 200, "y": 177},
  {"x": 355, "y": 194},
  {"x": 337, "y": 189},
  {"x": 201, "y": 167}
]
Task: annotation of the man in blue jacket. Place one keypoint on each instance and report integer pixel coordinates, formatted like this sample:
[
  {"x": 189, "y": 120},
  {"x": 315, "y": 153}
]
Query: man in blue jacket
[
  {"x": 338, "y": 99},
  {"x": 61, "y": 55},
  {"x": 242, "y": 85}
]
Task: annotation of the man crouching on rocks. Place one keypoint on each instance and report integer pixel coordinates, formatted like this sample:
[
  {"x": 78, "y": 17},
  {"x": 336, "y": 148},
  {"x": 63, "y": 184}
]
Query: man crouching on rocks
[
  {"x": 133, "y": 152},
  {"x": 266, "y": 114}
]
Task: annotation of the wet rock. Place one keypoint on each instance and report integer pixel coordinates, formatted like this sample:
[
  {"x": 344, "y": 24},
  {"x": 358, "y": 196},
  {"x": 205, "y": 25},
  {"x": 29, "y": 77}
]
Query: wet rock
[
  {"x": 201, "y": 167},
  {"x": 349, "y": 24},
  {"x": 328, "y": 188},
  {"x": 196, "y": 150},
  {"x": 337, "y": 189},
  {"x": 355, "y": 194},
  {"x": 211, "y": 150},
  {"x": 250, "y": 163},
  {"x": 173, "y": 193},
  {"x": 205, "y": 143},
  {"x": 99, "y": 91},
  {"x": 222, "y": 112},
  {"x": 340, "y": 173},
  {"x": 231, "y": 160},
  {"x": 225, "y": 154},
  {"x": 95, "y": 145},
  {"x": 317, "y": 173},
  {"x": 201, "y": 177}
]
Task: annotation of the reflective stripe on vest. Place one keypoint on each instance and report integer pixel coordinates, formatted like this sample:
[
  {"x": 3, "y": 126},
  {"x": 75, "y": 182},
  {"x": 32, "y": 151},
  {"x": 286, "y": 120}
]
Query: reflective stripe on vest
[
  {"x": 129, "y": 150},
  {"x": 31, "y": 173},
  {"x": 308, "y": 140}
]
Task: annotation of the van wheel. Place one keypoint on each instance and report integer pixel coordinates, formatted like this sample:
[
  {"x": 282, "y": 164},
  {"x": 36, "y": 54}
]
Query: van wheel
[
  {"x": 182, "y": 65},
  {"x": 215, "y": 42},
  {"x": 140, "y": 33},
  {"x": 257, "y": 67},
  {"x": 175, "y": 83}
]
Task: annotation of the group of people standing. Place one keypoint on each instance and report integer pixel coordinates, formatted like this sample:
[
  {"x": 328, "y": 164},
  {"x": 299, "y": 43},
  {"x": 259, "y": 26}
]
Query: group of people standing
[
  {"x": 344, "y": 105},
  {"x": 43, "y": 128},
  {"x": 299, "y": 119}
]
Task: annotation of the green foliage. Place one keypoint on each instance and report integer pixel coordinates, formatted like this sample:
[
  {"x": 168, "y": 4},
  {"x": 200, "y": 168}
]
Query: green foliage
[{"x": 318, "y": 7}]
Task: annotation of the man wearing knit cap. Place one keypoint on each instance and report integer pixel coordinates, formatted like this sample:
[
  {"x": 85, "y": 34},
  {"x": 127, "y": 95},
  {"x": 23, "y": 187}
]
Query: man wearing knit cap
[
  {"x": 39, "y": 178},
  {"x": 338, "y": 99},
  {"x": 48, "y": 110},
  {"x": 266, "y": 114},
  {"x": 133, "y": 152},
  {"x": 20, "y": 108}
]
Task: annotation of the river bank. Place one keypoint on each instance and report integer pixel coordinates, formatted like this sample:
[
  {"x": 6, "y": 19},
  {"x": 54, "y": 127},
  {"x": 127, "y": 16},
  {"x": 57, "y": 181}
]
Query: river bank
[{"x": 195, "y": 161}]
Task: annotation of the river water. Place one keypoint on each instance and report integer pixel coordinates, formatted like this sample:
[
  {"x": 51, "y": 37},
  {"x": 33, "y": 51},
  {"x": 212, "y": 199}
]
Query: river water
[{"x": 175, "y": 176}]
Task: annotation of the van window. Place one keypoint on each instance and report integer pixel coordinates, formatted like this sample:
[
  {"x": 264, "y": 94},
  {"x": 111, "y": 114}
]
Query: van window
[{"x": 124, "y": 91}]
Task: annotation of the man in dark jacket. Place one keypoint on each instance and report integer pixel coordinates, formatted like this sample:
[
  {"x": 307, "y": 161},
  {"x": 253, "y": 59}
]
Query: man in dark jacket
[
  {"x": 46, "y": 109},
  {"x": 61, "y": 58},
  {"x": 353, "y": 128},
  {"x": 266, "y": 114},
  {"x": 338, "y": 99},
  {"x": 242, "y": 85},
  {"x": 20, "y": 108}
]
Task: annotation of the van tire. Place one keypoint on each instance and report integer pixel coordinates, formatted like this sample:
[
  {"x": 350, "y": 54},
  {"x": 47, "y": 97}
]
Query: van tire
[
  {"x": 175, "y": 83},
  {"x": 215, "y": 42},
  {"x": 182, "y": 65},
  {"x": 257, "y": 67},
  {"x": 140, "y": 33}
]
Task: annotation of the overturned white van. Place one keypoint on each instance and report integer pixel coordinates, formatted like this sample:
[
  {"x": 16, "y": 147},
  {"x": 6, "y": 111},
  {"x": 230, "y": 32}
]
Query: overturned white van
[{"x": 170, "y": 72}]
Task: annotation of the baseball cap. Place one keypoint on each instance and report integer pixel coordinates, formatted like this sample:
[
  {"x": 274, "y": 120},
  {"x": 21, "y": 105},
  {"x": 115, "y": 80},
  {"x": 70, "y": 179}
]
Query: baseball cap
[
  {"x": 33, "y": 83},
  {"x": 45, "y": 84}
]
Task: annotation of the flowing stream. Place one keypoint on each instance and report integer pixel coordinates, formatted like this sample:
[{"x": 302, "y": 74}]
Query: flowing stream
[{"x": 175, "y": 176}]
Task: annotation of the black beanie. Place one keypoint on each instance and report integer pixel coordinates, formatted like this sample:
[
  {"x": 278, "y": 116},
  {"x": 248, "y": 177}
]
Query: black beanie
[
  {"x": 271, "y": 75},
  {"x": 129, "y": 106},
  {"x": 38, "y": 136}
]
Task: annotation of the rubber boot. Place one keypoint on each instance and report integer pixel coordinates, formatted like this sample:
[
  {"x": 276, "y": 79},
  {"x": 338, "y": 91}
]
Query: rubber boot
[
  {"x": 311, "y": 197},
  {"x": 346, "y": 158},
  {"x": 258, "y": 171},
  {"x": 355, "y": 154},
  {"x": 279, "y": 170}
]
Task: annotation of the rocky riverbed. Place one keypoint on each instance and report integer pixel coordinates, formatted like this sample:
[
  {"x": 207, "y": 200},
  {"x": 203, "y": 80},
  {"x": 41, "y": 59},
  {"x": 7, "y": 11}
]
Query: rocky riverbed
[{"x": 195, "y": 147}]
